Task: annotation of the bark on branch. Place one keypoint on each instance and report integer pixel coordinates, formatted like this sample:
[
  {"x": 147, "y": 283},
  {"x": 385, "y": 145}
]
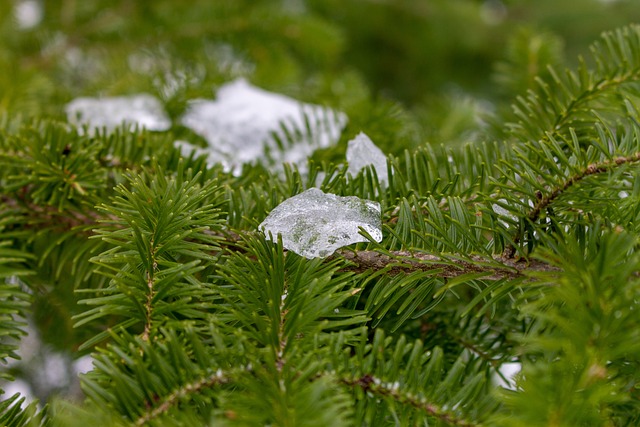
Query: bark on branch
[{"x": 500, "y": 267}]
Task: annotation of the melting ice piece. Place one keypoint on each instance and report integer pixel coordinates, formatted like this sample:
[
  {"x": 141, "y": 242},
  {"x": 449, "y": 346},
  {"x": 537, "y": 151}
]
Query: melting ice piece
[
  {"x": 143, "y": 110},
  {"x": 314, "y": 224},
  {"x": 362, "y": 152},
  {"x": 240, "y": 125}
]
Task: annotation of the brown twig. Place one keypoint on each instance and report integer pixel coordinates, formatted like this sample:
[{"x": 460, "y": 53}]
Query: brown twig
[
  {"x": 401, "y": 262},
  {"x": 546, "y": 200},
  {"x": 375, "y": 386}
]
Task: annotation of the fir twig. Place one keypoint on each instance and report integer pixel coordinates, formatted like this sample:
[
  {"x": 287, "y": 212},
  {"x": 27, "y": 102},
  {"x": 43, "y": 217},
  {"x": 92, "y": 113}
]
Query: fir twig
[
  {"x": 371, "y": 384},
  {"x": 544, "y": 201},
  {"x": 592, "y": 169},
  {"x": 402, "y": 261},
  {"x": 215, "y": 379}
]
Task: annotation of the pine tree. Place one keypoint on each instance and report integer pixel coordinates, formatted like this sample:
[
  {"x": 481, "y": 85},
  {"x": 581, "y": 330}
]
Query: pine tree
[{"x": 519, "y": 246}]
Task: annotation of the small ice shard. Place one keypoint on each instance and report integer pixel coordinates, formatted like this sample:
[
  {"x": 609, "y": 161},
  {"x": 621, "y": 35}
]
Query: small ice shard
[
  {"x": 142, "y": 110},
  {"x": 314, "y": 224},
  {"x": 244, "y": 125},
  {"x": 362, "y": 152},
  {"x": 504, "y": 215},
  {"x": 501, "y": 211}
]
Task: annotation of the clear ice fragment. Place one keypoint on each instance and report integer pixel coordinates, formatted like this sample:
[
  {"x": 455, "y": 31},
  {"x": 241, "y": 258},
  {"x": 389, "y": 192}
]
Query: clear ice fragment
[
  {"x": 244, "y": 124},
  {"x": 362, "y": 152},
  {"x": 142, "y": 110},
  {"x": 314, "y": 224}
]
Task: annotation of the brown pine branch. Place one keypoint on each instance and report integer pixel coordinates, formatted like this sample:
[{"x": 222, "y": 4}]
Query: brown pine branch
[
  {"x": 499, "y": 267},
  {"x": 370, "y": 384},
  {"x": 184, "y": 392},
  {"x": 397, "y": 262},
  {"x": 546, "y": 200},
  {"x": 592, "y": 169}
]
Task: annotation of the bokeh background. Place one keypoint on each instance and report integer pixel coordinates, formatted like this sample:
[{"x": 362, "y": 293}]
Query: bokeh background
[{"x": 439, "y": 60}]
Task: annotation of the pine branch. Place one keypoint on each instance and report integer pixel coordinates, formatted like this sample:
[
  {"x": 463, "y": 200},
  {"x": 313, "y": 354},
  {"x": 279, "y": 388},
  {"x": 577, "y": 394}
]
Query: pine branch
[
  {"x": 564, "y": 101},
  {"x": 581, "y": 318},
  {"x": 207, "y": 322},
  {"x": 14, "y": 298},
  {"x": 79, "y": 219},
  {"x": 375, "y": 386},
  {"x": 148, "y": 305},
  {"x": 401, "y": 262},
  {"x": 159, "y": 237},
  {"x": 546, "y": 199},
  {"x": 592, "y": 169},
  {"x": 184, "y": 392},
  {"x": 414, "y": 383},
  {"x": 13, "y": 414}
]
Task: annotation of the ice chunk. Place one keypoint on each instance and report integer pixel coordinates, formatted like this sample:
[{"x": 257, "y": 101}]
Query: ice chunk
[
  {"x": 362, "y": 152},
  {"x": 314, "y": 224},
  {"x": 244, "y": 123},
  {"x": 142, "y": 110}
]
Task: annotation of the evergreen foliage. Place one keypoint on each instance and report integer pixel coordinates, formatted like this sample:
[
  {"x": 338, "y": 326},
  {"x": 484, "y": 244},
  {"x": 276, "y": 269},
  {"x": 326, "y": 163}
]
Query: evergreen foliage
[{"x": 512, "y": 238}]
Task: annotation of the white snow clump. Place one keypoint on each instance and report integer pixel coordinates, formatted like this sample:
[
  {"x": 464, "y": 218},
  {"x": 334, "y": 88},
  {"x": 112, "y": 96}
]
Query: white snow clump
[
  {"x": 314, "y": 224},
  {"x": 362, "y": 152},
  {"x": 141, "y": 110},
  {"x": 239, "y": 127},
  {"x": 28, "y": 13}
]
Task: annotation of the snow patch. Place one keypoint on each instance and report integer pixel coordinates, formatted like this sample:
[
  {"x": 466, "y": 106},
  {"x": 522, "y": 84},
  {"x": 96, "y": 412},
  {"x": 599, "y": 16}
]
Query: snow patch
[
  {"x": 246, "y": 124},
  {"x": 509, "y": 371},
  {"x": 141, "y": 110},
  {"x": 28, "y": 14}
]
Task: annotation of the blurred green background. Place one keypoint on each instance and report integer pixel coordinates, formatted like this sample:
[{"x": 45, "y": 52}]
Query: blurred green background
[{"x": 414, "y": 71}]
